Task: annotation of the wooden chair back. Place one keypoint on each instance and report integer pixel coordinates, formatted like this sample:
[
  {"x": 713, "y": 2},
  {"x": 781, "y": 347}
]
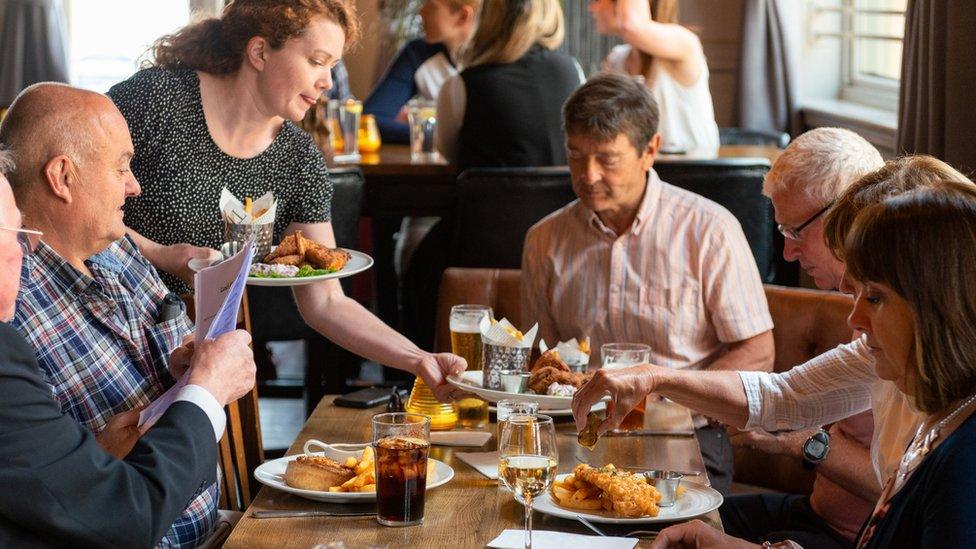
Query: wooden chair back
[{"x": 240, "y": 450}]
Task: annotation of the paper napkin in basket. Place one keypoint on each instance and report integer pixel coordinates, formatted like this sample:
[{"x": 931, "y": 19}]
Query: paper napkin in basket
[
  {"x": 571, "y": 352},
  {"x": 232, "y": 209},
  {"x": 503, "y": 334},
  {"x": 547, "y": 539}
]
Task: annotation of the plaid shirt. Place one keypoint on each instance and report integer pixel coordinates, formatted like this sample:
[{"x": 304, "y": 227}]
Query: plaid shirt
[{"x": 98, "y": 343}]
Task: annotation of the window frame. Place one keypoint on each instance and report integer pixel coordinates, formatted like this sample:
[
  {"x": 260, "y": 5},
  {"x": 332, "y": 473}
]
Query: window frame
[{"x": 881, "y": 93}]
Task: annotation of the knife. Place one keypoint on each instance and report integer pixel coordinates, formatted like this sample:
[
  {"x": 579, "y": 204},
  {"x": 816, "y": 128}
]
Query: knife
[{"x": 303, "y": 514}]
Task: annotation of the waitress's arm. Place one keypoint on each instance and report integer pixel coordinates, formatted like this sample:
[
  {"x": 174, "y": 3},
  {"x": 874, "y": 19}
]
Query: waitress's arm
[
  {"x": 172, "y": 259},
  {"x": 343, "y": 320}
]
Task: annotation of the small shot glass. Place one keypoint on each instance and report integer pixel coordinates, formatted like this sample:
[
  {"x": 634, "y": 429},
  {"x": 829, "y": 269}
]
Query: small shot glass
[{"x": 667, "y": 483}]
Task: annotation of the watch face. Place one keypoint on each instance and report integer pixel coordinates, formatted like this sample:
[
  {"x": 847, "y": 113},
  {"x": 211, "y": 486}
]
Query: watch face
[{"x": 816, "y": 448}]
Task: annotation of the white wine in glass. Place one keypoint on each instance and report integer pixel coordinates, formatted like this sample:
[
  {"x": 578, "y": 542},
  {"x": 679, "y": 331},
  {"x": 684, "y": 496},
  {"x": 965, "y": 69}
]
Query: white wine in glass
[{"x": 528, "y": 459}]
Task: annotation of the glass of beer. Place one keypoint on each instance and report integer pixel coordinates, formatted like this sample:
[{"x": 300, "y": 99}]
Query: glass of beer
[
  {"x": 401, "y": 442},
  {"x": 528, "y": 460},
  {"x": 624, "y": 355},
  {"x": 466, "y": 342}
]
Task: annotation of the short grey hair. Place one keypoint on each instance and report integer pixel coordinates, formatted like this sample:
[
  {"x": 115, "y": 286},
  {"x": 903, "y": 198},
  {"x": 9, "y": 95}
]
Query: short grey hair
[
  {"x": 6, "y": 161},
  {"x": 821, "y": 164}
]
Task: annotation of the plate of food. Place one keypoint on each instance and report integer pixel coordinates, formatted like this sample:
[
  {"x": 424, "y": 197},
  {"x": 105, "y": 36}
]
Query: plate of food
[
  {"x": 551, "y": 384},
  {"x": 611, "y": 496},
  {"x": 335, "y": 475},
  {"x": 297, "y": 261}
]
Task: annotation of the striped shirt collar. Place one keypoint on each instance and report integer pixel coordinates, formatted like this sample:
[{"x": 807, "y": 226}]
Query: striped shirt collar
[{"x": 648, "y": 205}]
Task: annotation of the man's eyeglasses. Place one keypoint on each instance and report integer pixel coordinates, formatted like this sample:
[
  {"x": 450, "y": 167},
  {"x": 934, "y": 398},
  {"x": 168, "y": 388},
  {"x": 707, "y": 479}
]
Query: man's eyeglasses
[
  {"x": 794, "y": 233},
  {"x": 27, "y": 238}
]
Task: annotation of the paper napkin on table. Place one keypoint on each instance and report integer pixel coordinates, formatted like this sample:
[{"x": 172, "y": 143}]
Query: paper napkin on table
[
  {"x": 475, "y": 439},
  {"x": 503, "y": 334},
  {"x": 262, "y": 212},
  {"x": 571, "y": 352},
  {"x": 485, "y": 463},
  {"x": 547, "y": 539}
]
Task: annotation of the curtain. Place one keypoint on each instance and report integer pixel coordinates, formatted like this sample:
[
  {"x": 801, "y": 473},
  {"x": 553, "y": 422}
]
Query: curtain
[
  {"x": 935, "y": 110},
  {"x": 767, "y": 79},
  {"x": 33, "y": 46}
]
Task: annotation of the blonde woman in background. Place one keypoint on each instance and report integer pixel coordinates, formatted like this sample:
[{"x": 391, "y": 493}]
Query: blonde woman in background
[
  {"x": 670, "y": 59},
  {"x": 503, "y": 109}
]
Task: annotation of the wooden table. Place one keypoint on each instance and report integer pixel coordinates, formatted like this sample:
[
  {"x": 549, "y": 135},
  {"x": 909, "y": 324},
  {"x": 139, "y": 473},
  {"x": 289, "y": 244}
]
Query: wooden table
[{"x": 470, "y": 510}]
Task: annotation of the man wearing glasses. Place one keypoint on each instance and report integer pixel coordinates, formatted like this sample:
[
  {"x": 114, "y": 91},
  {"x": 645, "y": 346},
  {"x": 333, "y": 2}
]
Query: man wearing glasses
[
  {"x": 76, "y": 489},
  {"x": 803, "y": 183},
  {"x": 89, "y": 302}
]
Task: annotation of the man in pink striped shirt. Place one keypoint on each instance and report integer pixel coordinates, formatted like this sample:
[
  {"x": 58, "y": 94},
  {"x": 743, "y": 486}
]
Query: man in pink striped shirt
[{"x": 637, "y": 260}]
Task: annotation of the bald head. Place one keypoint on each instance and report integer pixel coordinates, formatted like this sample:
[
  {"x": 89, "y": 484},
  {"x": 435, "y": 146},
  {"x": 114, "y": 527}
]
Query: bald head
[{"x": 49, "y": 120}]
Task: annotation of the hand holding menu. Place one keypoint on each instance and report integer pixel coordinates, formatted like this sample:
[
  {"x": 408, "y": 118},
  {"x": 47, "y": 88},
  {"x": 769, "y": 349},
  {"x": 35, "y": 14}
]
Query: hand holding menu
[{"x": 217, "y": 296}]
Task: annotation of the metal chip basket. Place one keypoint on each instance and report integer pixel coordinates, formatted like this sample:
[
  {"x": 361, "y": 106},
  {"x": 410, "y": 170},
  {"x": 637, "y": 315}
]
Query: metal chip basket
[
  {"x": 496, "y": 358},
  {"x": 242, "y": 232}
]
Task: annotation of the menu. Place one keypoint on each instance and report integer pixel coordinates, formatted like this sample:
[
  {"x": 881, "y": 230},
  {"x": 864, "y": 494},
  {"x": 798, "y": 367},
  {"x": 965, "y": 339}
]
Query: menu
[{"x": 217, "y": 296}]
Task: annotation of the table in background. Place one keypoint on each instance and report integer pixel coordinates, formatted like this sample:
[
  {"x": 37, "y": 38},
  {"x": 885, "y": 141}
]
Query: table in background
[
  {"x": 470, "y": 510},
  {"x": 396, "y": 187}
]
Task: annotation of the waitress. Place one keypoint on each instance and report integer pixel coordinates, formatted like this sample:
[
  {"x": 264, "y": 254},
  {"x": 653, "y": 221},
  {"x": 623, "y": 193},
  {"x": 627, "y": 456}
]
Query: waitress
[{"x": 218, "y": 109}]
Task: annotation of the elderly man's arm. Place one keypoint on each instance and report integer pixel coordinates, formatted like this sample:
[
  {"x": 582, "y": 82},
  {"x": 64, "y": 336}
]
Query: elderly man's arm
[
  {"x": 755, "y": 353},
  {"x": 534, "y": 293},
  {"x": 73, "y": 484},
  {"x": 343, "y": 320},
  {"x": 848, "y": 463}
]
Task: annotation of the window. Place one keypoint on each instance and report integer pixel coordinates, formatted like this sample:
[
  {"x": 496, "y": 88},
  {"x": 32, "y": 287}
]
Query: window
[
  {"x": 108, "y": 38},
  {"x": 872, "y": 46},
  {"x": 870, "y": 33}
]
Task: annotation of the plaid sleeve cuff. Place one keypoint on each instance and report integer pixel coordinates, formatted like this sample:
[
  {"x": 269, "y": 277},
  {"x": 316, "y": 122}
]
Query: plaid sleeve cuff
[{"x": 206, "y": 401}]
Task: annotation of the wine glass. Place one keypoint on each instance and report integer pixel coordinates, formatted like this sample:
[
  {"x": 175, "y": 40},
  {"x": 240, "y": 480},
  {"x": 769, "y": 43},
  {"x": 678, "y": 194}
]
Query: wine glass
[{"x": 528, "y": 459}]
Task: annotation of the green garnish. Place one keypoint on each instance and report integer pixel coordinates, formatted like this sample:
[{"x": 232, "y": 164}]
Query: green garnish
[{"x": 303, "y": 271}]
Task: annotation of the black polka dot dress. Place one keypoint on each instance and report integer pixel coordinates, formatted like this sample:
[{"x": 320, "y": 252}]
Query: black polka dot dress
[{"x": 182, "y": 171}]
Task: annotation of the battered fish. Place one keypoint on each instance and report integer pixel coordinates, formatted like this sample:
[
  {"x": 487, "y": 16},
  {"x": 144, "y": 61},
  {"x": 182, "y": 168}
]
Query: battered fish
[{"x": 626, "y": 494}]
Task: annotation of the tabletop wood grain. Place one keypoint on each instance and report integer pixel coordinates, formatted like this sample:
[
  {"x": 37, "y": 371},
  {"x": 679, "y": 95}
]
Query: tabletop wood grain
[{"x": 470, "y": 510}]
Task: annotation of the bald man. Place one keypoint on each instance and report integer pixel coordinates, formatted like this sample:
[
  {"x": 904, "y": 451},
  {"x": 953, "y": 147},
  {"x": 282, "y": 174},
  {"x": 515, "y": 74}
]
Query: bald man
[
  {"x": 89, "y": 302},
  {"x": 76, "y": 490}
]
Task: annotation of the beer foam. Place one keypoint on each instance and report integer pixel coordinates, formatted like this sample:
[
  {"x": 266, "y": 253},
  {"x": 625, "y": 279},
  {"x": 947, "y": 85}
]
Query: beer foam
[{"x": 465, "y": 326}]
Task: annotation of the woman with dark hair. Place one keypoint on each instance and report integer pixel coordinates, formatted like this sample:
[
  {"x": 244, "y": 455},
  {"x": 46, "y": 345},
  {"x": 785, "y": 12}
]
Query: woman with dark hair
[
  {"x": 670, "y": 59},
  {"x": 217, "y": 109},
  {"x": 910, "y": 261},
  {"x": 503, "y": 109}
]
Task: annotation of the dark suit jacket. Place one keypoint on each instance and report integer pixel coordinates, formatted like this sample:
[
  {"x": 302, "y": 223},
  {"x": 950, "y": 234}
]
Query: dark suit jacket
[{"x": 57, "y": 486}]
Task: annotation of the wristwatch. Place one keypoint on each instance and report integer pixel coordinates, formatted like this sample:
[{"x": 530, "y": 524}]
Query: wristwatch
[{"x": 815, "y": 449}]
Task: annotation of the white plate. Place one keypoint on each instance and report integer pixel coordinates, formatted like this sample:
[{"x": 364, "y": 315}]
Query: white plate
[
  {"x": 272, "y": 473},
  {"x": 471, "y": 382},
  {"x": 599, "y": 406},
  {"x": 697, "y": 500},
  {"x": 358, "y": 262}
]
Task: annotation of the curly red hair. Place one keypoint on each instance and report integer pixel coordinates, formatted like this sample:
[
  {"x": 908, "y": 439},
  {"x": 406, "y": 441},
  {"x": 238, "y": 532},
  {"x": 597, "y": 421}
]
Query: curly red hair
[{"x": 216, "y": 45}]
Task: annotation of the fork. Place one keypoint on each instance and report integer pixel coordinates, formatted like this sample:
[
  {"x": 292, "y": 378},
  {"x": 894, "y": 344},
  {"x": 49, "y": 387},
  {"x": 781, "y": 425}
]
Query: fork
[{"x": 599, "y": 532}]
